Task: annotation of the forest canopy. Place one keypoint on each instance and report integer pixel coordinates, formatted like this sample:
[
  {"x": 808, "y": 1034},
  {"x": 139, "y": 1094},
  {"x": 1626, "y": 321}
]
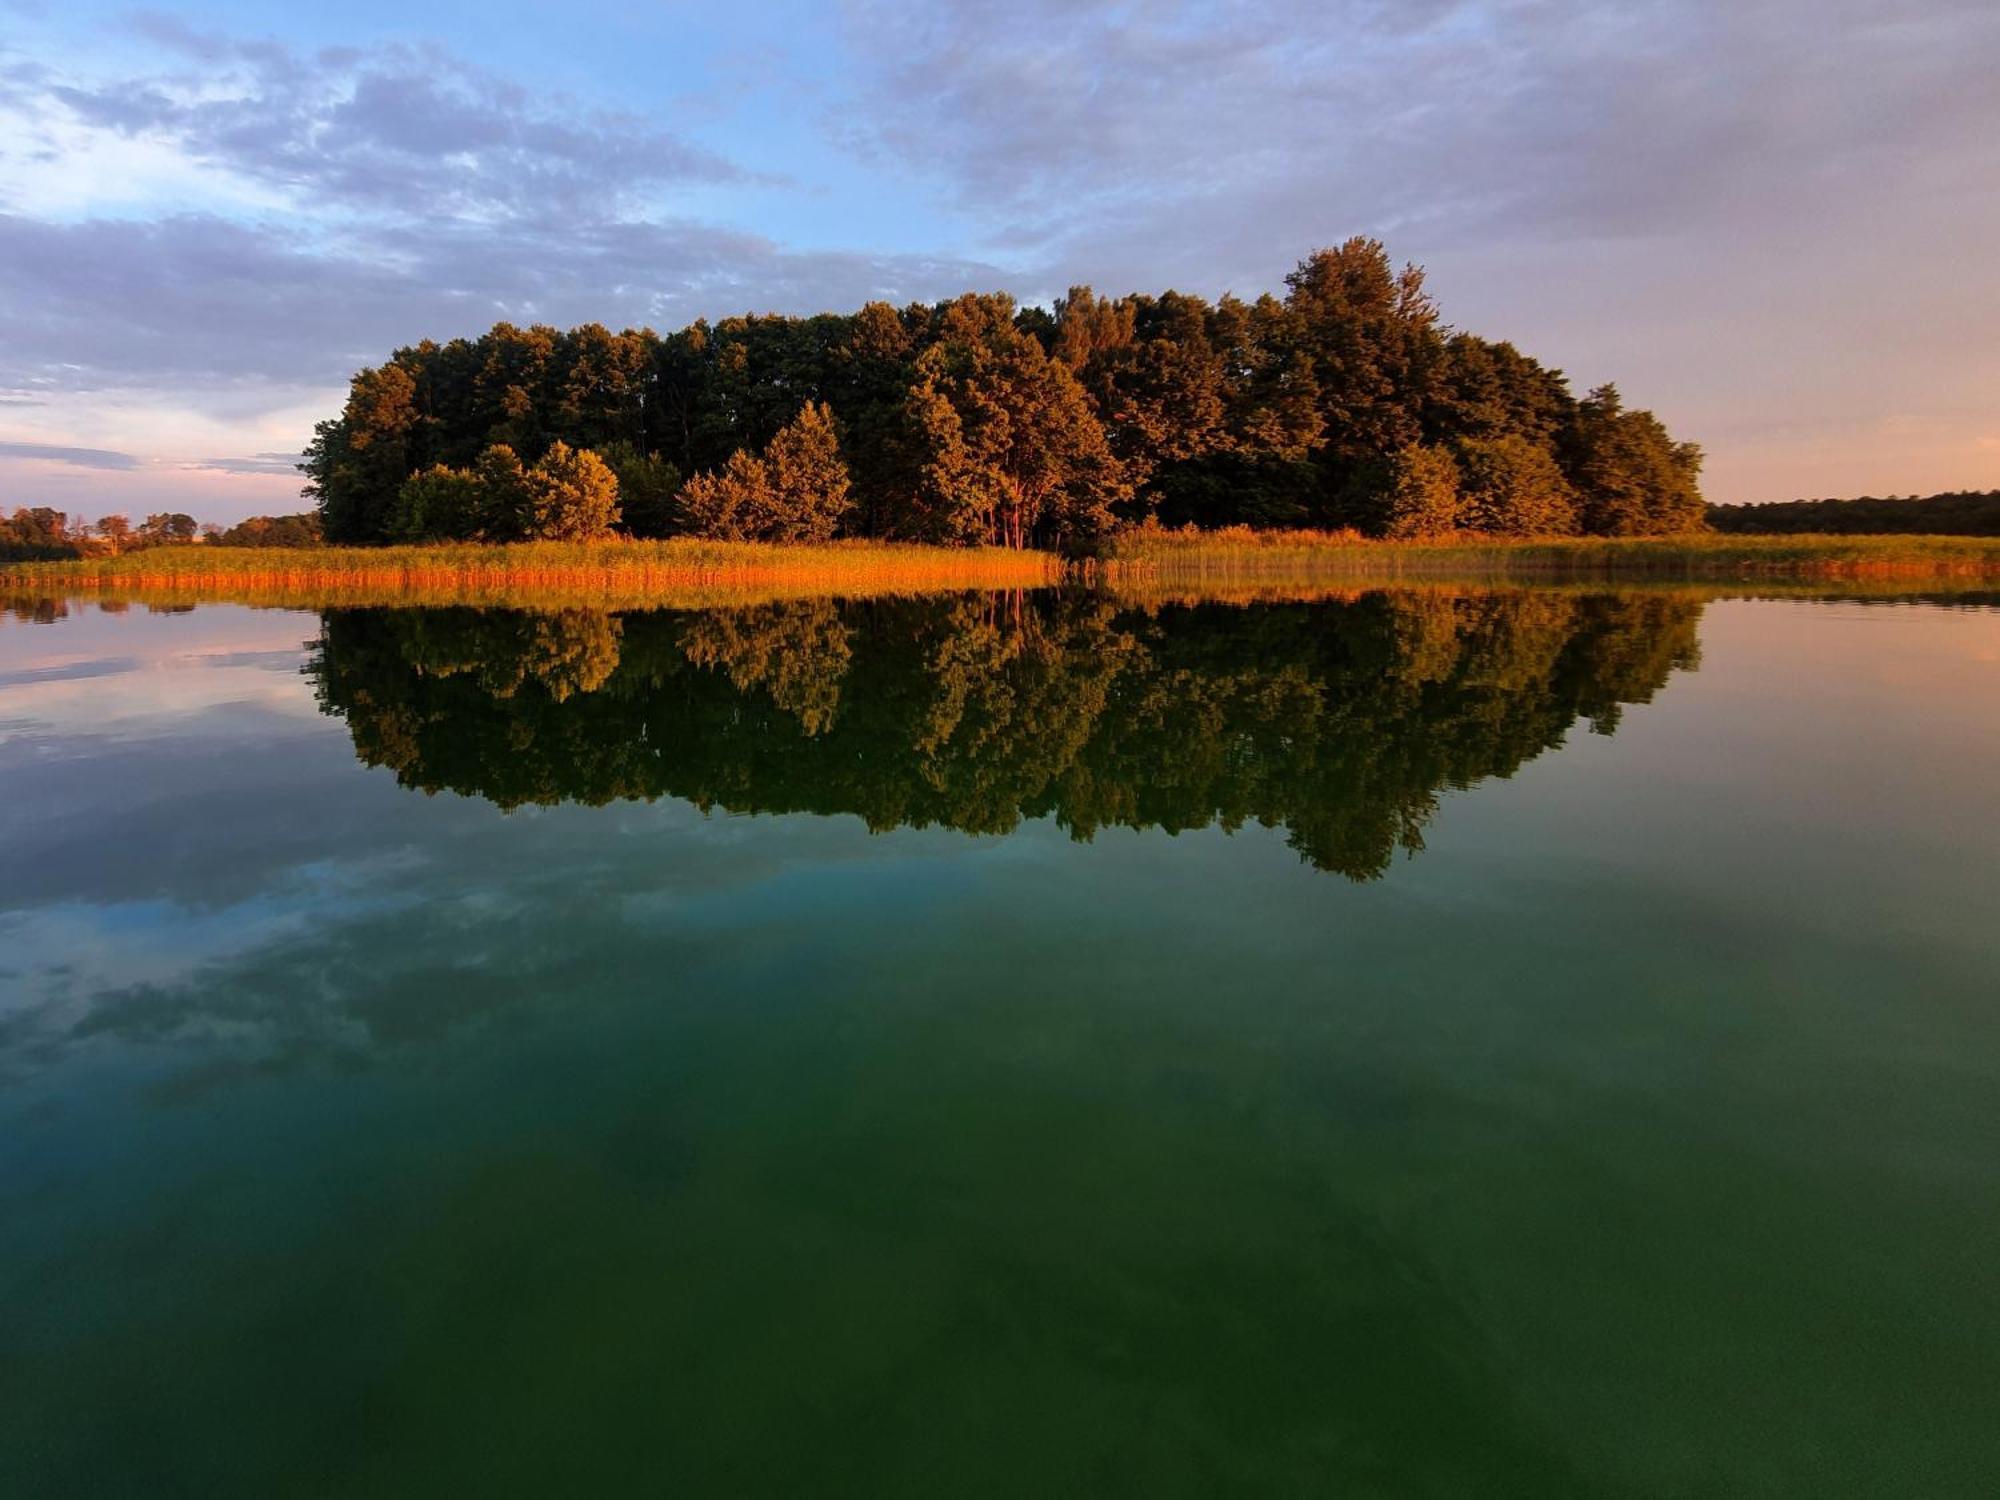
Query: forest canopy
[{"x": 1348, "y": 402}]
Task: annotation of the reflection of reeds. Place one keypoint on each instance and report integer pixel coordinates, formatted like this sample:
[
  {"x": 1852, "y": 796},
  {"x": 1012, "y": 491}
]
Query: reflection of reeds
[{"x": 607, "y": 574}]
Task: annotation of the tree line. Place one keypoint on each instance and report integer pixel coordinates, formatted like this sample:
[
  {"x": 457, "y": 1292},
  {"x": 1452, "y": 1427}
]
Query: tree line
[
  {"x": 40, "y": 533},
  {"x": 1958, "y": 513},
  {"x": 1345, "y": 403},
  {"x": 37, "y": 533},
  {"x": 1339, "y": 722}
]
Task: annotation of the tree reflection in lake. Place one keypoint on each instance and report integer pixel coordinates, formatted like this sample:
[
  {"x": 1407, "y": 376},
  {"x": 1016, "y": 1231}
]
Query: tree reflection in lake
[{"x": 1338, "y": 721}]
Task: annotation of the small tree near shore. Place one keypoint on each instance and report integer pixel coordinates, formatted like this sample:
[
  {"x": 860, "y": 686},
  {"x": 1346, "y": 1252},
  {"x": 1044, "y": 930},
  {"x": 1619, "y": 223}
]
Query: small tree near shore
[{"x": 797, "y": 491}]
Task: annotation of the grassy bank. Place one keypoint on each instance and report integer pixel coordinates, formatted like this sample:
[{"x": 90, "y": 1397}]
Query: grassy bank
[
  {"x": 1151, "y": 562},
  {"x": 607, "y": 574},
  {"x": 1242, "y": 556}
]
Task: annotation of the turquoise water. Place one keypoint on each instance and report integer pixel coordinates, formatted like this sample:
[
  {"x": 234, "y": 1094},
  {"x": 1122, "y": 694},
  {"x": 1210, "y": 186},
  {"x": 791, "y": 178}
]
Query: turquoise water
[{"x": 1428, "y": 1044}]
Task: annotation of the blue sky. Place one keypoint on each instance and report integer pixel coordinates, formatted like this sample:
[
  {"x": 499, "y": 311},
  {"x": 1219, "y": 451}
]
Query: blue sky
[{"x": 1770, "y": 220}]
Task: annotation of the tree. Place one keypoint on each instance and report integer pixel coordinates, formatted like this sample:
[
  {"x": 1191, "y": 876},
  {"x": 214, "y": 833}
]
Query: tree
[
  {"x": 1422, "y": 496},
  {"x": 1632, "y": 479},
  {"x": 732, "y": 504},
  {"x": 796, "y": 491},
  {"x": 273, "y": 531},
  {"x": 808, "y": 478},
  {"x": 506, "y": 506},
  {"x": 440, "y": 504},
  {"x": 1511, "y": 486},
  {"x": 1489, "y": 390},
  {"x": 572, "y": 496},
  {"x": 36, "y": 534},
  {"x": 977, "y": 421},
  {"x": 1372, "y": 336},
  {"x": 116, "y": 530},
  {"x": 1013, "y": 454},
  {"x": 40, "y": 526},
  {"x": 648, "y": 491},
  {"x": 168, "y": 527}
]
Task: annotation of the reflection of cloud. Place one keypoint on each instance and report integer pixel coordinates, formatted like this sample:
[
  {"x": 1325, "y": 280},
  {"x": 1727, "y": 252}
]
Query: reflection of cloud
[
  {"x": 64, "y": 960},
  {"x": 75, "y": 671}
]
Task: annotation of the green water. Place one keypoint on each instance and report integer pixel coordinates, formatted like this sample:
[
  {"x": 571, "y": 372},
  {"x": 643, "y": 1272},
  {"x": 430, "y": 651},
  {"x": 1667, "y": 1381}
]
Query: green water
[{"x": 1526, "y": 1044}]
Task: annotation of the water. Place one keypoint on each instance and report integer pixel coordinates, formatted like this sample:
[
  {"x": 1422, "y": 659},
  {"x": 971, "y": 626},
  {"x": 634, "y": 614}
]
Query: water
[{"x": 1423, "y": 1044}]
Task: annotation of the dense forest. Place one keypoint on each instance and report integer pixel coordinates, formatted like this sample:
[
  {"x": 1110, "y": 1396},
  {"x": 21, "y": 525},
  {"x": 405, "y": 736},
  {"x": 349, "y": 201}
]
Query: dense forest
[
  {"x": 1345, "y": 403},
  {"x": 1960, "y": 513},
  {"x": 1339, "y": 722}
]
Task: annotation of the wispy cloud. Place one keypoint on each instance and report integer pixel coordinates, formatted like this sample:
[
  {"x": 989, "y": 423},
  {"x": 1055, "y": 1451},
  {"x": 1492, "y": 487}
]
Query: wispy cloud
[
  {"x": 256, "y": 463},
  {"x": 82, "y": 458}
]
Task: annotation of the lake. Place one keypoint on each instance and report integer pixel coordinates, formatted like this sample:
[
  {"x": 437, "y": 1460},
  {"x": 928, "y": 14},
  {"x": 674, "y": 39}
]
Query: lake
[{"x": 1429, "y": 1042}]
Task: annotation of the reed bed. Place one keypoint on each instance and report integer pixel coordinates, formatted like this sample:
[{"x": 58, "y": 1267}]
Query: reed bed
[
  {"x": 1241, "y": 557},
  {"x": 1144, "y": 565},
  {"x": 603, "y": 574}
]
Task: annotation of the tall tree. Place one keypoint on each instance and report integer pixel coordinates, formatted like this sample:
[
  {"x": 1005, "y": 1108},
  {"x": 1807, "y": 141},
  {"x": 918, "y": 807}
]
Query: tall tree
[
  {"x": 1422, "y": 498},
  {"x": 1512, "y": 486},
  {"x": 1013, "y": 453},
  {"x": 797, "y": 491},
  {"x": 1631, "y": 477},
  {"x": 572, "y": 496},
  {"x": 1372, "y": 335}
]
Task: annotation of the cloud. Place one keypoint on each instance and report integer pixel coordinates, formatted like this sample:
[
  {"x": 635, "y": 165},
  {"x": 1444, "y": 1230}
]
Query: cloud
[
  {"x": 256, "y": 463},
  {"x": 407, "y": 130},
  {"x": 82, "y": 458},
  {"x": 1125, "y": 131},
  {"x": 195, "y": 298}
]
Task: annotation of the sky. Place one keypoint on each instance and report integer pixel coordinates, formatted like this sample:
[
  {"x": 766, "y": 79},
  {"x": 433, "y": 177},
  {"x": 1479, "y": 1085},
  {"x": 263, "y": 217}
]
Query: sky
[{"x": 1771, "y": 221}]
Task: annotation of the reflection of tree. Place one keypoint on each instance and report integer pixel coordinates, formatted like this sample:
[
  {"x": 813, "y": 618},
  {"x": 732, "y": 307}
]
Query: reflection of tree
[
  {"x": 563, "y": 652},
  {"x": 797, "y": 653},
  {"x": 1339, "y": 722}
]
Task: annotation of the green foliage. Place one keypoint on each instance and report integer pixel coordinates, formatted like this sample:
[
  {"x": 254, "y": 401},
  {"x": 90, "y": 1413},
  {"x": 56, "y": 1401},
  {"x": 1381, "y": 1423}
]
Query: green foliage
[
  {"x": 1513, "y": 486},
  {"x": 1421, "y": 498},
  {"x": 732, "y": 504},
  {"x": 36, "y": 534},
  {"x": 797, "y": 491},
  {"x": 572, "y": 496},
  {"x": 1960, "y": 513},
  {"x": 167, "y": 528},
  {"x": 648, "y": 491},
  {"x": 975, "y": 421},
  {"x": 263, "y": 531},
  {"x": 506, "y": 506},
  {"x": 1371, "y": 334},
  {"x": 439, "y": 504},
  {"x": 1013, "y": 453},
  {"x": 808, "y": 478},
  {"x": 1632, "y": 478}
]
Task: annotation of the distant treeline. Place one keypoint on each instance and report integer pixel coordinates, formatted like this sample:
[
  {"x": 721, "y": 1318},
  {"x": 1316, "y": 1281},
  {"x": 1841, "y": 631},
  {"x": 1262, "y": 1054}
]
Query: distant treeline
[
  {"x": 40, "y": 533},
  {"x": 1960, "y": 513},
  {"x": 1347, "y": 403}
]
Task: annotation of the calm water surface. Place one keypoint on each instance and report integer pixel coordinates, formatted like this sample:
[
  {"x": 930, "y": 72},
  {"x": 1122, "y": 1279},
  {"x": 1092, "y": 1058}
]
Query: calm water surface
[{"x": 1436, "y": 1043}]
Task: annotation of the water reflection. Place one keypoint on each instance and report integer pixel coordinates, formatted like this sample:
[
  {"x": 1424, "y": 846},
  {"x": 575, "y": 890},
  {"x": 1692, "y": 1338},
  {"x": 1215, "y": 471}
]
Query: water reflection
[{"x": 1338, "y": 721}]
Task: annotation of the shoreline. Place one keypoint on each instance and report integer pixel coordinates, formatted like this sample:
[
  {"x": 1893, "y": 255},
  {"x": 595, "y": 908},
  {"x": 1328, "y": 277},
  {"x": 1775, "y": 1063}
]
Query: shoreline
[{"x": 1140, "y": 562}]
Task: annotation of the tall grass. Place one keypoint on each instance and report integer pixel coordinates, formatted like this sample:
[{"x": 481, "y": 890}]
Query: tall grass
[
  {"x": 609, "y": 574},
  {"x": 1241, "y": 556},
  {"x": 1148, "y": 562}
]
